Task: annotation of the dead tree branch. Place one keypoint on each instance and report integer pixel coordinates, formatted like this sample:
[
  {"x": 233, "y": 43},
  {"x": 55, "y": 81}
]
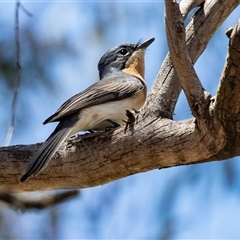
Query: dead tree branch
[
  {"x": 166, "y": 89},
  {"x": 198, "y": 99},
  {"x": 154, "y": 141}
]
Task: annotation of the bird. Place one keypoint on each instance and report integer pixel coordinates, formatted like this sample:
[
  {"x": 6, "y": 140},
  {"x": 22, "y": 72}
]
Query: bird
[{"x": 121, "y": 87}]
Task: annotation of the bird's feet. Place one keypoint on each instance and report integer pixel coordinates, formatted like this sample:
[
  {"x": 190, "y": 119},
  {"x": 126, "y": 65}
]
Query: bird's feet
[{"x": 130, "y": 118}]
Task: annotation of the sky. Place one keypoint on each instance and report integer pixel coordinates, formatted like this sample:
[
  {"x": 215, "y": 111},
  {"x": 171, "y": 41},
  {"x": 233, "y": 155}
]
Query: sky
[{"x": 196, "y": 201}]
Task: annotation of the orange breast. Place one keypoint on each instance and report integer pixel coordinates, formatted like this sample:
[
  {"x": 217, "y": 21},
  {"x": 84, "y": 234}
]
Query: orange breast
[{"x": 135, "y": 64}]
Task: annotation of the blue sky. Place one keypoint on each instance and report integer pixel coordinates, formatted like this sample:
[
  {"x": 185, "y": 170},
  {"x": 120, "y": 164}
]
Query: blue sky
[{"x": 199, "y": 201}]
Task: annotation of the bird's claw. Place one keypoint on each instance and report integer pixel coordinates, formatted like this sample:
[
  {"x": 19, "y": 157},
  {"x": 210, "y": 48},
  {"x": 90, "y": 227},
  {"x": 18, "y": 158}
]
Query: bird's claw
[{"x": 130, "y": 118}]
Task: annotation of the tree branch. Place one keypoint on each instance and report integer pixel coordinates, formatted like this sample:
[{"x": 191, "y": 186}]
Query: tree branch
[
  {"x": 229, "y": 87},
  {"x": 150, "y": 143},
  {"x": 198, "y": 99},
  {"x": 228, "y": 95},
  {"x": 111, "y": 156},
  {"x": 20, "y": 203},
  {"x": 18, "y": 67},
  {"x": 166, "y": 89},
  {"x": 18, "y": 80}
]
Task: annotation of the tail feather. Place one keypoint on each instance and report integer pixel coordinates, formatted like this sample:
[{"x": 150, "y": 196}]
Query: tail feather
[{"x": 46, "y": 151}]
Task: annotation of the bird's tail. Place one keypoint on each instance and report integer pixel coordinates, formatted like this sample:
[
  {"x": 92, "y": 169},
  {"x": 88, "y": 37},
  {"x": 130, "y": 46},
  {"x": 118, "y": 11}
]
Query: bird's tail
[{"x": 46, "y": 151}]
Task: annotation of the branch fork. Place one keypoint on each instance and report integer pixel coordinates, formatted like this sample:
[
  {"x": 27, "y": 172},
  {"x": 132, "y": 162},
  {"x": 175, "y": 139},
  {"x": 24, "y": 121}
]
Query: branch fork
[{"x": 156, "y": 140}]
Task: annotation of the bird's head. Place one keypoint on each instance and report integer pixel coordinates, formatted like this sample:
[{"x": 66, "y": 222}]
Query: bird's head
[{"x": 128, "y": 58}]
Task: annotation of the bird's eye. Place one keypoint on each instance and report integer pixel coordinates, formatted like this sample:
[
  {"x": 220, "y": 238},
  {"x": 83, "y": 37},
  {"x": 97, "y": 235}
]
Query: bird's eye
[{"x": 123, "y": 51}]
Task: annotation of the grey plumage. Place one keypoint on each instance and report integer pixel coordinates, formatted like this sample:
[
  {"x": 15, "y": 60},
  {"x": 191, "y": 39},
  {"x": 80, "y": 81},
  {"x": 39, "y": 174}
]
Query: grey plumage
[
  {"x": 46, "y": 151},
  {"x": 103, "y": 104}
]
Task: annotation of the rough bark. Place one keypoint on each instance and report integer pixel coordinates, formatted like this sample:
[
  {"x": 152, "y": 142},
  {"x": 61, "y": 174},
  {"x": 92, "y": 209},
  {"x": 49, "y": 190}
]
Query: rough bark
[{"x": 154, "y": 140}]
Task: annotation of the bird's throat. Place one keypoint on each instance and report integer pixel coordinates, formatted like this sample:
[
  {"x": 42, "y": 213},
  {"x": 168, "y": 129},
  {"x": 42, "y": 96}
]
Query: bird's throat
[{"x": 135, "y": 64}]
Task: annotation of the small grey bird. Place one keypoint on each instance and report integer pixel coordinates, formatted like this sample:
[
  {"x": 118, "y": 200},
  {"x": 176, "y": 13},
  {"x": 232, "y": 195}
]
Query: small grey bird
[{"x": 103, "y": 104}]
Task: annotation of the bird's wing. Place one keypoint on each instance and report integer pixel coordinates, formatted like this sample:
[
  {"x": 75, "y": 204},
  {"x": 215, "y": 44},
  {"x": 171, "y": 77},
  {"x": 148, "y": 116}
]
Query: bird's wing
[{"x": 108, "y": 89}]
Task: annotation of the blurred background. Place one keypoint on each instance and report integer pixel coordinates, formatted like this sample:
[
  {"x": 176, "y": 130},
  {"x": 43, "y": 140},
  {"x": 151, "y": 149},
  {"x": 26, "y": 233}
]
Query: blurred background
[{"x": 60, "y": 47}]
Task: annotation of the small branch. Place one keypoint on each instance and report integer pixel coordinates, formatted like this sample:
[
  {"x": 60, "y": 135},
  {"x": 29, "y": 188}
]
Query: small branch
[
  {"x": 18, "y": 81},
  {"x": 19, "y": 203},
  {"x": 197, "y": 98},
  {"x": 25, "y": 10},
  {"x": 18, "y": 67}
]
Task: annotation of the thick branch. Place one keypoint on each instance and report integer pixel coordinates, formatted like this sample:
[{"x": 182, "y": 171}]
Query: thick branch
[
  {"x": 197, "y": 98},
  {"x": 228, "y": 93},
  {"x": 150, "y": 143},
  {"x": 227, "y": 106},
  {"x": 108, "y": 157}
]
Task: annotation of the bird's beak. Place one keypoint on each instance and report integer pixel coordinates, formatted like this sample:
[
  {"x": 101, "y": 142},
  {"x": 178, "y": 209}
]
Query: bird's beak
[{"x": 145, "y": 44}]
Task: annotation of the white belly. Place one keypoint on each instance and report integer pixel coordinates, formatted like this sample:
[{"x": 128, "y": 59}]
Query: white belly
[{"x": 91, "y": 117}]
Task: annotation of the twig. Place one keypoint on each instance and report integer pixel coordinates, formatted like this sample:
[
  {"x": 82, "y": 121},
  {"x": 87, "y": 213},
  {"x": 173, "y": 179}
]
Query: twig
[
  {"x": 19, "y": 203},
  {"x": 18, "y": 79},
  {"x": 25, "y": 10}
]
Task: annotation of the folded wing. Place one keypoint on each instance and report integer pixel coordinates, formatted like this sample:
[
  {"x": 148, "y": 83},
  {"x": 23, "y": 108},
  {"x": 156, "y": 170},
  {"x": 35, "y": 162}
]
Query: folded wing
[{"x": 109, "y": 89}]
